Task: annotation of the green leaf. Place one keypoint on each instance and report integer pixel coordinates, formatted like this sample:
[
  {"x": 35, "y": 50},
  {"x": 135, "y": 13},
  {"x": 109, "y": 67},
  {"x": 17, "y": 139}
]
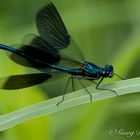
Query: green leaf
[{"x": 71, "y": 100}]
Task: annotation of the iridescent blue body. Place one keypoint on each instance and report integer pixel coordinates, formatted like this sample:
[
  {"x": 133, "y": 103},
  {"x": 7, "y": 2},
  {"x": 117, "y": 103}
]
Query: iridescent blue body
[{"x": 87, "y": 70}]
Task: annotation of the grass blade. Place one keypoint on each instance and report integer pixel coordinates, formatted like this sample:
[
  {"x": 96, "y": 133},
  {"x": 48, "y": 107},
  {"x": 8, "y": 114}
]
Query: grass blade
[{"x": 72, "y": 99}]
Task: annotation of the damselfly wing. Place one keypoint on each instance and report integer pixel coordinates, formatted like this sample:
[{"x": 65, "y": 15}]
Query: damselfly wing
[{"x": 54, "y": 46}]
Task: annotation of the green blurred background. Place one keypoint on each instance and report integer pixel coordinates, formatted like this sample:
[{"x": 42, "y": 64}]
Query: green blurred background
[{"x": 108, "y": 32}]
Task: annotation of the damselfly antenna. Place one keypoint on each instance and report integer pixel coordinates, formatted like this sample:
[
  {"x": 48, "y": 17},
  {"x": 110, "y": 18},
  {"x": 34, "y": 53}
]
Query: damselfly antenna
[{"x": 118, "y": 76}]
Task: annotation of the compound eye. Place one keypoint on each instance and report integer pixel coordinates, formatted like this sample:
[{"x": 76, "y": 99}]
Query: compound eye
[
  {"x": 104, "y": 72},
  {"x": 111, "y": 74}
]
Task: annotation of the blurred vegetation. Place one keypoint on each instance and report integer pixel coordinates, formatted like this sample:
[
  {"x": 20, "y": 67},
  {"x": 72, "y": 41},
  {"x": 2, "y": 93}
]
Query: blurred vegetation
[{"x": 107, "y": 31}]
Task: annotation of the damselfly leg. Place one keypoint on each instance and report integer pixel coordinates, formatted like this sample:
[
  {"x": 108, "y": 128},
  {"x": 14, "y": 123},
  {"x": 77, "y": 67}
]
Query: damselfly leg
[
  {"x": 64, "y": 93},
  {"x": 99, "y": 88}
]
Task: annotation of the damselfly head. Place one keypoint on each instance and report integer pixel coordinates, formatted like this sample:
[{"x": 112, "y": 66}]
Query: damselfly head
[{"x": 107, "y": 71}]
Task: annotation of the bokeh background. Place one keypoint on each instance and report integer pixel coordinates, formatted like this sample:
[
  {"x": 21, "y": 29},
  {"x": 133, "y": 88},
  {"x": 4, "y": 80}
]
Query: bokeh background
[{"x": 108, "y": 32}]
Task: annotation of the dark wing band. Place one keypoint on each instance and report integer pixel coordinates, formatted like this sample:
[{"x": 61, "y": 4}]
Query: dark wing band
[
  {"x": 22, "y": 81},
  {"x": 51, "y": 27}
]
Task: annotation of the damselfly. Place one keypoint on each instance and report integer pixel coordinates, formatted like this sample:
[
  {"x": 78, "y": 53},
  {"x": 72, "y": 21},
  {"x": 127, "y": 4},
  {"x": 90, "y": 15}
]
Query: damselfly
[{"x": 52, "y": 51}]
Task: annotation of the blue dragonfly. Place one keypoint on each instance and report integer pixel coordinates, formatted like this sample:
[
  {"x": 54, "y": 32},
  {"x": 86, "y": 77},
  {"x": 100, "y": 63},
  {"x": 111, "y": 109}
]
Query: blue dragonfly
[{"x": 53, "y": 52}]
